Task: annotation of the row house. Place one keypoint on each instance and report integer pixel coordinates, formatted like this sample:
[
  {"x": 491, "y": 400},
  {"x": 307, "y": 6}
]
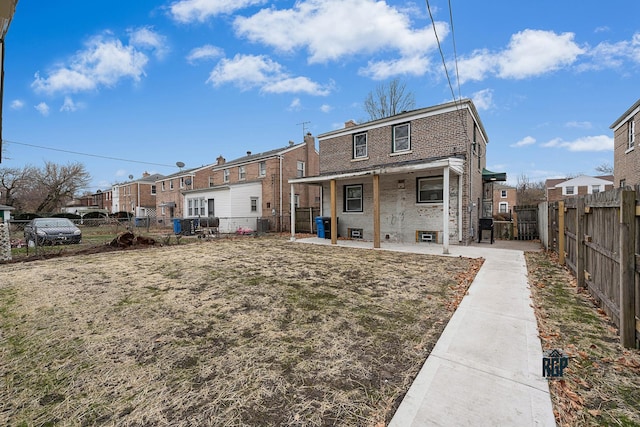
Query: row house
[
  {"x": 417, "y": 176},
  {"x": 136, "y": 197},
  {"x": 626, "y": 156},
  {"x": 504, "y": 200},
  {"x": 559, "y": 189},
  {"x": 246, "y": 191}
]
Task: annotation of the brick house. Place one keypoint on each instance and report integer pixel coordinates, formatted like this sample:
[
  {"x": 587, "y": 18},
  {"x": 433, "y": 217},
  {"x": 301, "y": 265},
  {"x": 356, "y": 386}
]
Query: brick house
[
  {"x": 626, "y": 156},
  {"x": 504, "y": 199},
  {"x": 252, "y": 187},
  {"x": 169, "y": 188},
  {"x": 559, "y": 189},
  {"x": 138, "y": 197},
  {"x": 413, "y": 177}
]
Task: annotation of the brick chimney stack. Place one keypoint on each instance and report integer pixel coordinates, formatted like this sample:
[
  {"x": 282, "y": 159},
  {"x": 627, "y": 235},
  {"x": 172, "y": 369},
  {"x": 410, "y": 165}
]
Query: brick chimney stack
[
  {"x": 220, "y": 160},
  {"x": 349, "y": 124}
]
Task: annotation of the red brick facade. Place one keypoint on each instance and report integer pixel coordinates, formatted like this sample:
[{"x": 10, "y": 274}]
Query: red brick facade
[{"x": 626, "y": 155}]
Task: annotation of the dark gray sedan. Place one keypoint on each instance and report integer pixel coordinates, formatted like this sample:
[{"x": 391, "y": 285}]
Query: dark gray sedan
[{"x": 51, "y": 231}]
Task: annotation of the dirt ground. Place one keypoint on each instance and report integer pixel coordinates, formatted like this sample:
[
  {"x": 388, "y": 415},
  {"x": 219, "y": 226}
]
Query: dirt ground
[
  {"x": 601, "y": 386},
  {"x": 247, "y": 331}
]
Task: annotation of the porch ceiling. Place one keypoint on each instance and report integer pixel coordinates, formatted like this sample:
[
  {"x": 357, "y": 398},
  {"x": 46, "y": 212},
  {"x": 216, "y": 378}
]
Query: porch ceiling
[{"x": 456, "y": 165}]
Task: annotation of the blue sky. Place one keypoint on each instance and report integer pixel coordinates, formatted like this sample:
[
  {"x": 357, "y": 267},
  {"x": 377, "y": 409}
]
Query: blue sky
[{"x": 131, "y": 86}]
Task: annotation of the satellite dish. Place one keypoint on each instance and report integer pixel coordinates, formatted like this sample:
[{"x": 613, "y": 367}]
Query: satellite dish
[
  {"x": 187, "y": 181},
  {"x": 180, "y": 164},
  {"x": 130, "y": 176}
]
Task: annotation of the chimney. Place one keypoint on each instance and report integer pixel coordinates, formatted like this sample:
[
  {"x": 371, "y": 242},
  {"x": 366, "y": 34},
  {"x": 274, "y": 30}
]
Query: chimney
[
  {"x": 248, "y": 153},
  {"x": 145, "y": 174},
  {"x": 349, "y": 124},
  {"x": 291, "y": 143},
  {"x": 220, "y": 160}
]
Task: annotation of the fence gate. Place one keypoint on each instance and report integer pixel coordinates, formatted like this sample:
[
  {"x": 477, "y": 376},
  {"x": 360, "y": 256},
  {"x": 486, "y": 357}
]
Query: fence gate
[{"x": 527, "y": 222}]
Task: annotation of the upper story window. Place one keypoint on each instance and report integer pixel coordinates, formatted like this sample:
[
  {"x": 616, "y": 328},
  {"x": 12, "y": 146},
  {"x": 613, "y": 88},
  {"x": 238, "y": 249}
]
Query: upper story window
[
  {"x": 569, "y": 190},
  {"x": 262, "y": 168},
  {"x": 503, "y": 207},
  {"x": 430, "y": 190},
  {"x": 631, "y": 134},
  {"x": 242, "y": 173},
  {"x": 623, "y": 183},
  {"x": 401, "y": 140},
  {"x": 153, "y": 189},
  {"x": 170, "y": 184},
  {"x": 225, "y": 175},
  {"x": 182, "y": 182},
  {"x": 503, "y": 193},
  {"x": 353, "y": 198},
  {"x": 300, "y": 169},
  {"x": 211, "y": 181},
  {"x": 162, "y": 186},
  {"x": 360, "y": 146}
]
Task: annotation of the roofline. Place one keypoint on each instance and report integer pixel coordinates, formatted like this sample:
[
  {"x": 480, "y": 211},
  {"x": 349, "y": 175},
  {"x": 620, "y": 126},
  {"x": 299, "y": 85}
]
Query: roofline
[
  {"x": 413, "y": 114},
  {"x": 257, "y": 157},
  {"x": 634, "y": 109}
]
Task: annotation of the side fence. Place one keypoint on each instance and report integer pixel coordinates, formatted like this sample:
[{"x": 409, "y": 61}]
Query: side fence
[{"x": 598, "y": 237}]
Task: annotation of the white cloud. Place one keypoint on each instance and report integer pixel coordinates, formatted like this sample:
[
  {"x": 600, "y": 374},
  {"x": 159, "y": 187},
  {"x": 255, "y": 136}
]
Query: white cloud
[
  {"x": 250, "y": 71},
  {"x": 204, "y": 52},
  {"x": 147, "y": 38},
  {"x": 325, "y": 108},
  {"x": 529, "y": 53},
  {"x": 527, "y": 140},
  {"x": 17, "y": 104},
  {"x": 614, "y": 55},
  {"x": 69, "y": 105},
  {"x": 382, "y": 70},
  {"x": 295, "y": 105},
  {"x": 43, "y": 109},
  {"x": 335, "y": 29},
  {"x": 186, "y": 11},
  {"x": 579, "y": 125},
  {"x": 103, "y": 62},
  {"x": 587, "y": 143},
  {"x": 483, "y": 99}
]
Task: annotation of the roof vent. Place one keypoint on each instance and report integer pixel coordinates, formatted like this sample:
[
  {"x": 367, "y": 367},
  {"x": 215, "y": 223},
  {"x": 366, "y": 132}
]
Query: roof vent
[{"x": 248, "y": 153}]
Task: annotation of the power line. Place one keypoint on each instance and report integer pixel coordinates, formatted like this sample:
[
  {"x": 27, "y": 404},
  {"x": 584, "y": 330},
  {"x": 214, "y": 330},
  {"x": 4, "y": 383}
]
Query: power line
[{"x": 87, "y": 154}]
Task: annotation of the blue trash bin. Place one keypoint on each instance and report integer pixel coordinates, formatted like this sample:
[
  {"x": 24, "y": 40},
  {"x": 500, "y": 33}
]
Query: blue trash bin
[
  {"x": 320, "y": 227},
  {"x": 177, "y": 225}
]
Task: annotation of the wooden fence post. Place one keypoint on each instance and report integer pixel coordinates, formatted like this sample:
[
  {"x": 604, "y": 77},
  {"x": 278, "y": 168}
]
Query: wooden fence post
[
  {"x": 627, "y": 268},
  {"x": 580, "y": 247},
  {"x": 561, "y": 232}
]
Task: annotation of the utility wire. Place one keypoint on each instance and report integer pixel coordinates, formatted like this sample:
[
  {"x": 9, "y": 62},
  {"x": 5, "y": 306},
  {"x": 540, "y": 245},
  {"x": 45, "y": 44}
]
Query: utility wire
[{"x": 88, "y": 155}]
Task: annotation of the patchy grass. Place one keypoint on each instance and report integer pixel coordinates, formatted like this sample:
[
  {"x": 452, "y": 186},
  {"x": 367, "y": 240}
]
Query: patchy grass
[
  {"x": 601, "y": 387},
  {"x": 225, "y": 332}
]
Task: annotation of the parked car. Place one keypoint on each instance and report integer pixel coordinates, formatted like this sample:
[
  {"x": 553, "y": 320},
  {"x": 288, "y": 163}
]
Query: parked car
[{"x": 50, "y": 231}]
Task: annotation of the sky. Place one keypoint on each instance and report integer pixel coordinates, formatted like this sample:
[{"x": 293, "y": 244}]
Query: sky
[{"x": 126, "y": 87}]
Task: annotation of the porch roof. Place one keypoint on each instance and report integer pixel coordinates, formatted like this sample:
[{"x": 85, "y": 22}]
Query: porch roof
[{"x": 455, "y": 164}]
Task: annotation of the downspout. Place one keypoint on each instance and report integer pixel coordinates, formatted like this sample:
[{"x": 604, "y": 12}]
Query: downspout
[{"x": 280, "y": 198}]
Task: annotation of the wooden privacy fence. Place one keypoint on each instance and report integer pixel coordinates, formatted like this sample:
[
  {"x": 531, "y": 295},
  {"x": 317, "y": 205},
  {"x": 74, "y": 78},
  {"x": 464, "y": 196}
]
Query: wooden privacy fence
[
  {"x": 597, "y": 237},
  {"x": 305, "y": 219}
]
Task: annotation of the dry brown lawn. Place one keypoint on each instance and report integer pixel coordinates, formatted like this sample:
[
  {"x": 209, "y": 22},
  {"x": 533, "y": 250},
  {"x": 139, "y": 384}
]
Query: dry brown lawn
[{"x": 249, "y": 331}]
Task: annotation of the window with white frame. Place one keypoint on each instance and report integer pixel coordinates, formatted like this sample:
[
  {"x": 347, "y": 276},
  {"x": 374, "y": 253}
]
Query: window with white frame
[
  {"x": 595, "y": 188},
  {"x": 401, "y": 140},
  {"x": 503, "y": 207},
  {"x": 254, "y": 204},
  {"x": 242, "y": 173},
  {"x": 190, "y": 207},
  {"x": 296, "y": 200},
  {"x": 171, "y": 184},
  {"x": 569, "y": 190},
  {"x": 153, "y": 189},
  {"x": 182, "y": 182},
  {"x": 353, "y": 198},
  {"x": 262, "y": 169},
  {"x": 162, "y": 186},
  {"x": 300, "y": 169},
  {"x": 360, "y": 146},
  {"x": 211, "y": 181},
  {"x": 503, "y": 193},
  {"x": 202, "y": 207},
  {"x": 631, "y": 134},
  {"x": 430, "y": 190},
  {"x": 225, "y": 175}
]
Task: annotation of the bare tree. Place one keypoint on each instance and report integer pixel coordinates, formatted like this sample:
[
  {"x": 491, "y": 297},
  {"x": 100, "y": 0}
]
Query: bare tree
[
  {"x": 389, "y": 99},
  {"x": 58, "y": 184},
  {"x": 14, "y": 183},
  {"x": 529, "y": 192},
  {"x": 604, "y": 168}
]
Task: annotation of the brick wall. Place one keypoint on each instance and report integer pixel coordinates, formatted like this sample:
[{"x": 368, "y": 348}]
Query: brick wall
[{"x": 627, "y": 162}]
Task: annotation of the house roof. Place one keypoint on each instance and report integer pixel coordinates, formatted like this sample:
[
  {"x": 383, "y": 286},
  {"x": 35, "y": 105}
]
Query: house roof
[
  {"x": 6, "y": 208},
  {"x": 488, "y": 176},
  {"x": 634, "y": 109},
  {"x": 258, "y": 156},
  {"x": 583, "y": 180},
  {"x": 413, "y": 114}
]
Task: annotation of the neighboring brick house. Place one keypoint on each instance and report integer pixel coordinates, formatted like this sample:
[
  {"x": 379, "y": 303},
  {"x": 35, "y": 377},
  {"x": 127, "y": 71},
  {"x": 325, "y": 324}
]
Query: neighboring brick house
[
  {"x": 559, "y": 189},
  {"x": 138, "y": 197},
  {"x": 393, "y": 178},
  {"x": 504, "y": 199},
  {"x": 626, "y": 154},
  {"x": 252, "y": 187},
  {"x": 169, "y": 189}
]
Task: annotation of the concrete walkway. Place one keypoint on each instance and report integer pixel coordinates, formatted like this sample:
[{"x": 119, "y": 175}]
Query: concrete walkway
[{"x": 486, "y": 368}]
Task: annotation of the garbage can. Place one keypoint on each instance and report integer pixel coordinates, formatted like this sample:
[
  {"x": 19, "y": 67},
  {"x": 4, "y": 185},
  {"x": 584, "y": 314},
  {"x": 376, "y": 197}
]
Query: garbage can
[
  {"x": 262, "y": 225},
  {"x": 326, "y": 224},
  {"x": 141, "y": 221},
  {"x": 320, "y": 227},
  {"x": 188, "y": 226},
  {"x": 177, "y": 225}
]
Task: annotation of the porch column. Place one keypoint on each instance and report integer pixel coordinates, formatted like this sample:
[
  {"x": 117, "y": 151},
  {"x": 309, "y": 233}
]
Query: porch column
[
  {"x": 376, "y": 211},
  {"x": 445, "y": 210},
  {"x": 293, "y": 214},
  {"x": 460, "y": 212},
  {"x": 334, "y": 218}
]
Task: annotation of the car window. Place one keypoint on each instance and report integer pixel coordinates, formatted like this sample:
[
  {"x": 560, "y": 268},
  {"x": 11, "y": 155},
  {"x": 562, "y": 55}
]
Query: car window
[{"x": 57, "y": 222}]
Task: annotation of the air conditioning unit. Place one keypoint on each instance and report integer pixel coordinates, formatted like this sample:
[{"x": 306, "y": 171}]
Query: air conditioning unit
[
  {"x": 426, "y": 236},
  {"x": 355, "y": 233}
]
